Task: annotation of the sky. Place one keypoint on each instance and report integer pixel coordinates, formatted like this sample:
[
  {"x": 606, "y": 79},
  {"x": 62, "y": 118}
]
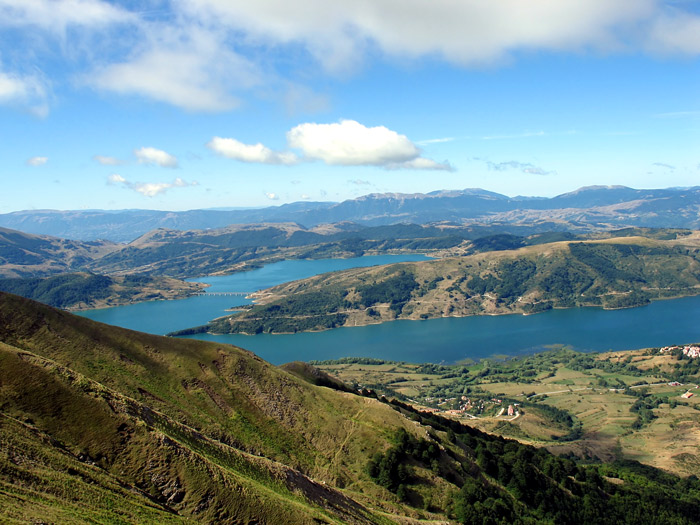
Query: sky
[{"x": 187, "y": 104}]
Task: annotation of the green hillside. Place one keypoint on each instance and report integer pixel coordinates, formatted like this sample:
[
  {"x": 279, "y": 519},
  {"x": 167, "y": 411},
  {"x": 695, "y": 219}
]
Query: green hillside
[
  {"x": 99, "y": 423},
  {"x": 77, "y": 291},
  {"x": 617, "y": 272}
]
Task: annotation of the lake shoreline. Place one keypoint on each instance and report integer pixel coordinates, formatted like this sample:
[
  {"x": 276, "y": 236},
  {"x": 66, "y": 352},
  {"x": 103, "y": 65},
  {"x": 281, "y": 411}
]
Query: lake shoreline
[{"x": 482, "y": 314}]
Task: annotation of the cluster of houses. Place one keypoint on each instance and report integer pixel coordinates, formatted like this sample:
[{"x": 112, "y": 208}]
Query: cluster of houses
[
  {"x": 466, "y": 405},
  {"x": 689, "y": 350}
]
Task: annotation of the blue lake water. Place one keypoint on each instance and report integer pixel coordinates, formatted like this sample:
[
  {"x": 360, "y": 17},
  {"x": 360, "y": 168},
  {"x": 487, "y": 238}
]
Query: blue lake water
[
  {"x": 447, "y": 340},
  {"x": 162, "y": 317}
]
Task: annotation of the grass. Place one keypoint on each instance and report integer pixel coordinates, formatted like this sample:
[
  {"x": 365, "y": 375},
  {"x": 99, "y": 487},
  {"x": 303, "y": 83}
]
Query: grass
[{"x": 215, "y": 424}]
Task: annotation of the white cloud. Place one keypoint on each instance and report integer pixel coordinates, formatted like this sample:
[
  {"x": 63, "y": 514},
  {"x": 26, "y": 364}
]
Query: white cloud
[
  {"x": 344, "y": 143},
  {"x": 233, "y": 149},
  {"x": 436, "y": 141},
  {"x": 37, "y": 161},
  {"x": 272, "y": 196},
  {"x": 349, "y": 143},
  {"x": 24, "y": 91},
  {"x": 56, "y": 15},
  {"x": 107, "y": 161},
  {"x": 12, "y": 88},
  {"x": 674, "y": 32},
  {"x": 190, "y": 68},
  {"x": 525, "y": 167},
  {"x": 421, "y": 163},
  {"x": 202, "y": 55},
  {"x": 115, "y": 178},
  {"x": 460, "y": 31},
  {"x": 149, "y": 189},
  {"x": 159, "y": 157}
]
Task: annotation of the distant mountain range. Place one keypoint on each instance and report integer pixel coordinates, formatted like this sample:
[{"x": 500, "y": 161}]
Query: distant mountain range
[{"x": 595, "y": 207}]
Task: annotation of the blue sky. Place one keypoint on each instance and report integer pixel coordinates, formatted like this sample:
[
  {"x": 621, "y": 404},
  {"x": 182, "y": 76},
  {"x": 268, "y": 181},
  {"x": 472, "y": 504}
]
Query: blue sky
[{"x": 186, "y": 104}]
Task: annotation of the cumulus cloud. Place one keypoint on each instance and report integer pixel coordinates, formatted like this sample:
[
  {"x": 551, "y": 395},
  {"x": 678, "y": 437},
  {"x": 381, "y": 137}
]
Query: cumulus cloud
[
  {"x": 107, "y": 161},
  {"x": 233, "y": 149},
  {"x": 344, "y": 143},
  {"x": 349, "y": 143},
  {"x": 272, "y": 196},
  {"x": 37, "y": 161},
  {"x": 149, "y": 189},
  {"x": 524, "y": 167},
  {"x": 148, "y": 155}
]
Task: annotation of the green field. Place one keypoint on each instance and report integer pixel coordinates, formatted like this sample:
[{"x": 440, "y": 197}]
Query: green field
[{"x": 600, "y": 406}]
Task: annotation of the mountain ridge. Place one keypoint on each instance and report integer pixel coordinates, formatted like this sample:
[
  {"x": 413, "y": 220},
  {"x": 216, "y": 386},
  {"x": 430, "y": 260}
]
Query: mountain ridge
[{"x": 670, "y": 207}]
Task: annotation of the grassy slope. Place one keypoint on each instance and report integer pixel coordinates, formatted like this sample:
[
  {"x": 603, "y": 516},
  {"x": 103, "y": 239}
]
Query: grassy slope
[
  {"x": 208, "y": 431},
  {"x": 613, "y": 273}
]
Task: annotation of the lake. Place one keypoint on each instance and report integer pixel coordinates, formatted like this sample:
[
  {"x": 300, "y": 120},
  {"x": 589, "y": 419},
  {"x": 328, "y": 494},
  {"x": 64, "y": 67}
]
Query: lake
[
  {"x": 162, "y": 317},
  {"x": 447, "y": 340}
]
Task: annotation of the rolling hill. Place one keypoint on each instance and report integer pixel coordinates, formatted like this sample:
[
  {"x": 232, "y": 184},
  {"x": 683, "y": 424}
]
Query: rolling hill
[{"x": 27, "y": 255}]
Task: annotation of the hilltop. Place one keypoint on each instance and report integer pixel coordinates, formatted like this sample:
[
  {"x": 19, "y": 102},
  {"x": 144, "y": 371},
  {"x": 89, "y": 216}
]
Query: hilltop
[
  {"x": 620, "y": 271},
  {"x": 99, "y": 423}
]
